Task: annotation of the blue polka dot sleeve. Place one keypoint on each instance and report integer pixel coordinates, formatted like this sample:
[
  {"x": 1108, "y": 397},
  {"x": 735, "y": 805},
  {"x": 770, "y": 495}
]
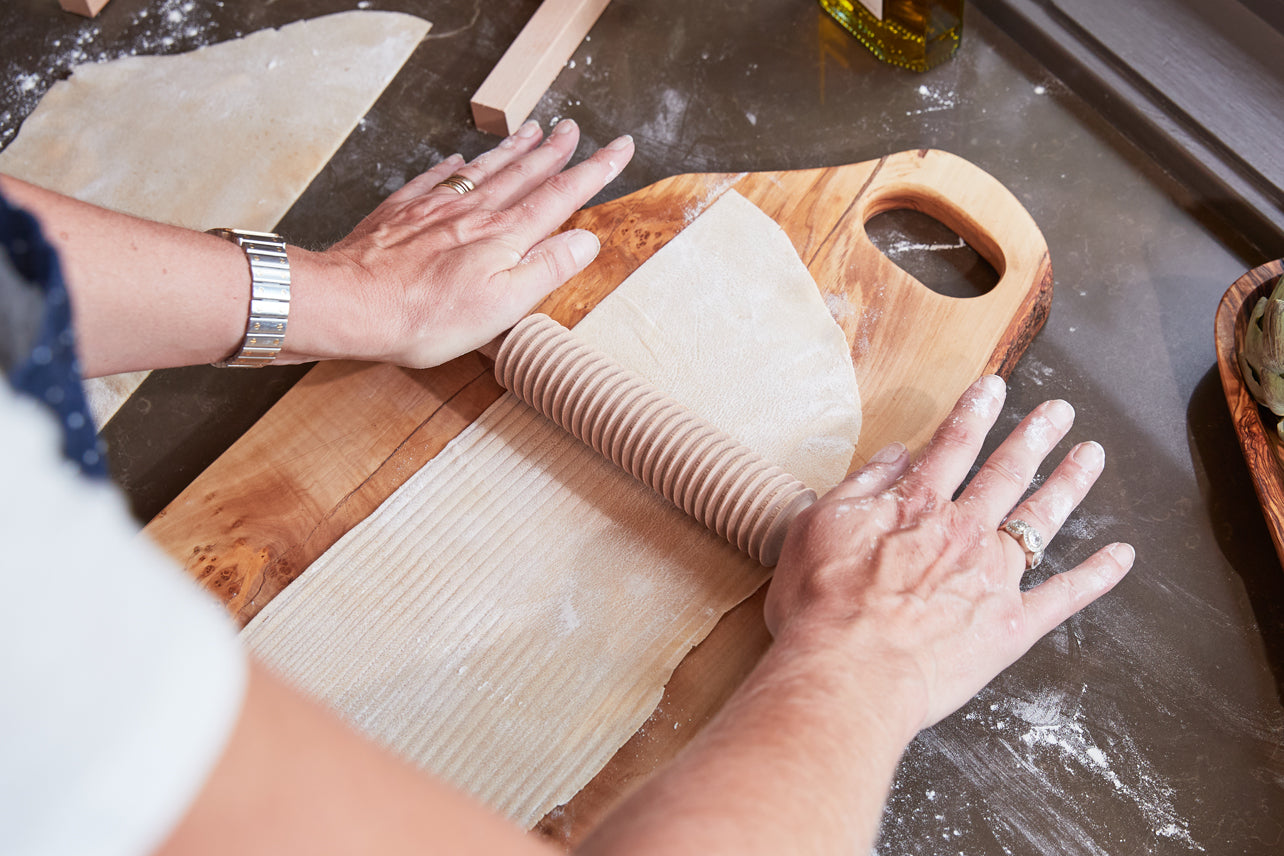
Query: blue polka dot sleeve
[{"x": 50, "y": 371}]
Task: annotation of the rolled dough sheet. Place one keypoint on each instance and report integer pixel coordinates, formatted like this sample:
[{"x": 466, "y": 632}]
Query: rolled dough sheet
[
  {"x": 510, "y": 616},
  {"x": 226, "y": 135}
]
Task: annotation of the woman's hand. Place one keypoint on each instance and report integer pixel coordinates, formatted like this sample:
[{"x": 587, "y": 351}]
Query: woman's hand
[
  {"x": 429, "y": 275},
  {"x": 432, "y": 273},
  {"x": 922, "y": 591}
]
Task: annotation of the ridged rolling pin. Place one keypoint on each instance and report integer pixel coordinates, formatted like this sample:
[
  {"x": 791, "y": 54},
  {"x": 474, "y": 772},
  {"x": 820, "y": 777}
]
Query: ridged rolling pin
[{"x": 728, "y": 487}]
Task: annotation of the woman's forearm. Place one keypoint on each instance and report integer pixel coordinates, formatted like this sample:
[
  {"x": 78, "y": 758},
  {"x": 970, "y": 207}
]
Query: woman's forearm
[
  {"x": 430, "y": 274},
  {"x": 799, "y": 761},
  {"x": 144, "y": 295}
]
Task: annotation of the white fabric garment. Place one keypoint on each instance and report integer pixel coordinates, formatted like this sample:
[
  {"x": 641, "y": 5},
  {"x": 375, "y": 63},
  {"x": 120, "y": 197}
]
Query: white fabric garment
[{"x": 120, "y": 680}]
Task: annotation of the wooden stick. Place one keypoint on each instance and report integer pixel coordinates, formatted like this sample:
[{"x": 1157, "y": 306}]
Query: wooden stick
[
  {"x": 88, "y": 8},
  {"x": 514, "y": 86}
]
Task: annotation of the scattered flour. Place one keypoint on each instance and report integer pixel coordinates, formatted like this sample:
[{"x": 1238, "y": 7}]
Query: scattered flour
[
  {"x": 696, "y": 206},
  {"x": 934, "y": 100},
  {"x": 666, "y": 125},
  {"x": 906, "y": 246},
  {"x": 1032, "y": 370},
  {"x": 165, "y": 26},
  {"x": 841, "y": 308},
  {"x": 999, "y": 772},
  {"x": 1039, "y": 433},
  {"x": 1053, "y": 731}
]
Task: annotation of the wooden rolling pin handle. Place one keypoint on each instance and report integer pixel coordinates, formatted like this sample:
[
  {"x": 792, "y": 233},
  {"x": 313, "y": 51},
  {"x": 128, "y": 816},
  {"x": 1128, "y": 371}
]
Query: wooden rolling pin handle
[{"x": 712, "y": 477}]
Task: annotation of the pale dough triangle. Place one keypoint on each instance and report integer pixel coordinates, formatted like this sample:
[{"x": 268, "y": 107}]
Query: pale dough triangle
[
  {"x": 226, "y": 135},
  {"x": 510, "y": 616}
]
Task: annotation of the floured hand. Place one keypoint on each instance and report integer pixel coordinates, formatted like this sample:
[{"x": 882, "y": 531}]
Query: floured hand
[{"x": 924, "y": 590}]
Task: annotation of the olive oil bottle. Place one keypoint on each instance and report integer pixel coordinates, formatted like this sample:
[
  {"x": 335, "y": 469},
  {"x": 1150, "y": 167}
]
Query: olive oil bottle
[{"x": 916, "y": 34}]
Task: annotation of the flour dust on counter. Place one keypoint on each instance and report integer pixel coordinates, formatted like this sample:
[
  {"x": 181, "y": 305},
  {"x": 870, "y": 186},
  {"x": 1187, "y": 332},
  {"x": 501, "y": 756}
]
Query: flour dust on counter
[
  {"x": 246, "y": 125},
  {"x": 1007, "y": 771},
  {"x": 935, "y": 99},
  {"x": 162, "y": 27}
]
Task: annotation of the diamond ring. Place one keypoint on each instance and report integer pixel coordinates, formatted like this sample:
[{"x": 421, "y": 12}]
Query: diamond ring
[{"x": 1029, "y": 539}]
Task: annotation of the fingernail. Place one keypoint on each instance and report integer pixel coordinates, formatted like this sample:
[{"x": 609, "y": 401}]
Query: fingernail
[
  {"x": 620, "y": 143},
  {"x": 528, "y": 129},
  {"x": 1090, "y": 455},
  {"x": 584, "y": 246},
  {"x": 1060, "y": 413},
  {"x": 564, "y": 127},
  {"x": 985, "y": 395},
  {"x": 1122, "y": 553},
  {"x": 455, "y": 158},
  {"x": 993, "y": 385},
  {"x": 889, "y": 454}
]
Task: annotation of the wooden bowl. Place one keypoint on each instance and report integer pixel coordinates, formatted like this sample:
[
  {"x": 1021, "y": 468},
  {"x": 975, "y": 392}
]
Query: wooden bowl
[{"x": 1263, "y": 449}]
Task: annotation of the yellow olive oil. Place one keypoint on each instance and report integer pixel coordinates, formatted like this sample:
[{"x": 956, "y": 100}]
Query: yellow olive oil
[{"x": 916, "y": 34}]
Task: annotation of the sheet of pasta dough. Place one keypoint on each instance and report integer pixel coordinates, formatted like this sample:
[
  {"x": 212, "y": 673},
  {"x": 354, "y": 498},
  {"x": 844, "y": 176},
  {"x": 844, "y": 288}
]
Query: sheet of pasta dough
[
  {"x": 226, "y": 135},
  {"x": 510, "y": 616}
]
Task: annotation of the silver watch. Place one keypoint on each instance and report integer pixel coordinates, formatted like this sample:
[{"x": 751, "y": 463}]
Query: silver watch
[{"x": 269, "y": 297}]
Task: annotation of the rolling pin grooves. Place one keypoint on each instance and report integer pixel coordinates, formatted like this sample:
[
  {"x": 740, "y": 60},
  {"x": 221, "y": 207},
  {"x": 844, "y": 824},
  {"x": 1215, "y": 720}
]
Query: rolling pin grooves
[{"x": 711, "y": 476}]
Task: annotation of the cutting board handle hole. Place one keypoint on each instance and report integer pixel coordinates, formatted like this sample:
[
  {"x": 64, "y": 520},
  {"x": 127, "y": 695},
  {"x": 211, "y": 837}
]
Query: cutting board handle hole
[{"x": 931, "y": 252}]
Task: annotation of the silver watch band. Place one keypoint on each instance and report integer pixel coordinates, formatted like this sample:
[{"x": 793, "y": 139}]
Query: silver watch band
[{"x": 269, "y": 297}]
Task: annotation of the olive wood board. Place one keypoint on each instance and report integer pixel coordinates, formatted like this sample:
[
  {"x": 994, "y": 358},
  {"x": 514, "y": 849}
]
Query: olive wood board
[
  {"x": 349, "y": 434},
  {"x": 1254, "y": 425}
]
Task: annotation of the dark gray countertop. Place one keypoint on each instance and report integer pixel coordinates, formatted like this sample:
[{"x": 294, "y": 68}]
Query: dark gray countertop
[{"x": 1150, "y": 723}]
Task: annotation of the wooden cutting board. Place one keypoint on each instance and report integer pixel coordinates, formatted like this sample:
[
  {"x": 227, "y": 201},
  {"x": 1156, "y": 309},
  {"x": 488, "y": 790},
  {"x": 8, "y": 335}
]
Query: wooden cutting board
[{"x": 349, "y": 434}]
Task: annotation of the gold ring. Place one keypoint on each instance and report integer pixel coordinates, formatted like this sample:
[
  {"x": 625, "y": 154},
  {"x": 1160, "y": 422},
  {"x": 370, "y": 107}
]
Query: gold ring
[{"x": 457, "y": 183}]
